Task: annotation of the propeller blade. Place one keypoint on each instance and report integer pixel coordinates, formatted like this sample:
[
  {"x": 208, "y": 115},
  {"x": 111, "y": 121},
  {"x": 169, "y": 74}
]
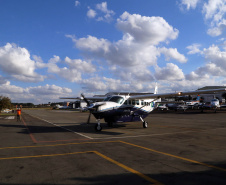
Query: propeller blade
[
  {"x": 82, "y": 95},
  {"x": 89, "y": 117}
]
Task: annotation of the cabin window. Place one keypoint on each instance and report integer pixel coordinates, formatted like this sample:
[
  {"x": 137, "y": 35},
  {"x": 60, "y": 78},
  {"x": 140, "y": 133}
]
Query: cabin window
[
  {"x": 126, "y": 102},
  {"x": 137, "y": 102},
  {"x": 142, "y": 102},
  {"x": 129, "y": 102},
  {"x": 133, "y": 102}
]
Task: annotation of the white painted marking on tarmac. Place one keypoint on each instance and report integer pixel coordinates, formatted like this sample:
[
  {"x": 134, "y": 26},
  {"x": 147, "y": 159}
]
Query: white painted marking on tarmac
[
  {"x": 62, "y": 127},
  {"x": 10, "y": 117}
]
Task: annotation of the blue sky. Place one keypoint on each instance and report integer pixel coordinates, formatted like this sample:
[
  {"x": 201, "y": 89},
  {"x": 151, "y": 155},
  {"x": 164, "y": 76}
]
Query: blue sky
[{"x": 56, "y": 48}]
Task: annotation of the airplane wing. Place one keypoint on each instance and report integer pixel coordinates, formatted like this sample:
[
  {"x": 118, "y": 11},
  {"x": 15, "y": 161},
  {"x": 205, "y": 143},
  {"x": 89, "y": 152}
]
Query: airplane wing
[
  {"x": 89, "y": 98},
  {"x": 164, "y": 95}
]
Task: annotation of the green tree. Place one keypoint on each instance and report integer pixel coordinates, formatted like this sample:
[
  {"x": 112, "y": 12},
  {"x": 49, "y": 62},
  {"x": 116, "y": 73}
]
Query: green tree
[{"x": 5, "y": 103}]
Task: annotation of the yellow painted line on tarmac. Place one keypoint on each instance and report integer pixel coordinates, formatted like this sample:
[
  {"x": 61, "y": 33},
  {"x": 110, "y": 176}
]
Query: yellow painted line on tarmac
[
  {"x": 65, "y": 144},
  {"x": 129, "y": 169},
  {"x": 153, "y": 181},
  {"x": 48, "y": 155},
  {"x": 178, "y": 157}
]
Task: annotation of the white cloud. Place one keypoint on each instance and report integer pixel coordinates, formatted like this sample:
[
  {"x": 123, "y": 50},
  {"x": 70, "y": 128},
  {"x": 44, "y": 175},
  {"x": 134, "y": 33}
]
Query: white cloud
[
  {"x": 101, "y": 12},
  {"x": 171, "y": 73},
  {"x": 16, "y": 61},
  {"x": 107, "y": 13},
  {"x": 91, "y": 13},
  {"x": 48, "y": 90},
  {"x": 149, "y": 30},
  {"x": 104, "y": 84},
  {"x": 140, "y": 35},
  {"x": 215, "y": 11},
  {"x": 215, "y": 55},
  {"x": 215, "y": 66},
  {"x": 172, "y": 53},
  {"x": 38, "y": 94},
  {"x": 194, "y": 48},
  {"x": 72, "y": 71},
  {"x": 92, "y": 44},
  {"x": 77, "y": 3},
  {"x": 189, "y": 4}
]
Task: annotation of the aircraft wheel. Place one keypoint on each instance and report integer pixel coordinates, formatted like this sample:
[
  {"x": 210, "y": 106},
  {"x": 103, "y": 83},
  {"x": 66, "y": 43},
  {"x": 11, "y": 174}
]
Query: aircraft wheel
[
  {"x": 145, "y": 124},
  {"x": 98, "y": 128}
]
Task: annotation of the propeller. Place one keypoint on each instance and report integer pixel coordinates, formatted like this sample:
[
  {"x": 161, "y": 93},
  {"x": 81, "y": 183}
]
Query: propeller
[
  {"x": 91, "y": 107},
  {"x": 88, "y": 103}
]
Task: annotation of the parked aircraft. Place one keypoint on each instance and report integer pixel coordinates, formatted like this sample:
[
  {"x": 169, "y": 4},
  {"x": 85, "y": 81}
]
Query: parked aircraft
[
  {"x": 214, "y": 104},
  {"x": 126, "y": 108}
]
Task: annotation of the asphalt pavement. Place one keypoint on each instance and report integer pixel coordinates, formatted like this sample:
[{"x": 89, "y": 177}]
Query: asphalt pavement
[{"x": 58, "y": 147}]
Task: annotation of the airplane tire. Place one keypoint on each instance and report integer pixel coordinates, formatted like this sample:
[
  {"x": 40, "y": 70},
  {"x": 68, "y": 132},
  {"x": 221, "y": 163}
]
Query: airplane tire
[
  {"x": 145, "y": 124},
  {"x": 98, "y": 128}
]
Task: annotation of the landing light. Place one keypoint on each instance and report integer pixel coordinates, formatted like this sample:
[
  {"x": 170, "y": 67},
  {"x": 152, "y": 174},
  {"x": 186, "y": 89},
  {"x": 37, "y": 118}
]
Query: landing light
[{"x": 179, "y": 93}]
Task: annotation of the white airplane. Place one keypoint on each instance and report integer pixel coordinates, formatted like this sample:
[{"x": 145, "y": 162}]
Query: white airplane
[
  {"x": 214, "y": 104},
  {"x": 126, "y": 108},
  {"x": 61, "y": 107}
]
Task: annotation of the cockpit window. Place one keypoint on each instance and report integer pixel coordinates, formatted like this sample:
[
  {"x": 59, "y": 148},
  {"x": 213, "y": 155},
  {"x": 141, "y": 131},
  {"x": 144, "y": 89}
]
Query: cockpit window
[
  {"x": 116, "y": 99},
  {"x": 106, "y": 99}
]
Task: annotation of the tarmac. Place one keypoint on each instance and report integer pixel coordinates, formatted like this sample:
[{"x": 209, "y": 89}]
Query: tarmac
[{"x": 58, "y": 147}]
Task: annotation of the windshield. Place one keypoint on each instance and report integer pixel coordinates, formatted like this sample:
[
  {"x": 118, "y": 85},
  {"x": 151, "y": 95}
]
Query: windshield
[
  {"x": 106, "y": 99},
  {"x": 116, "y": 99}
]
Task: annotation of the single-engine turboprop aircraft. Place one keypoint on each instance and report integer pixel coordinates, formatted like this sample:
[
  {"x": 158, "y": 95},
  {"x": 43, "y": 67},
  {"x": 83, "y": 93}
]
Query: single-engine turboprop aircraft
[{"x": 126, "y": 108}]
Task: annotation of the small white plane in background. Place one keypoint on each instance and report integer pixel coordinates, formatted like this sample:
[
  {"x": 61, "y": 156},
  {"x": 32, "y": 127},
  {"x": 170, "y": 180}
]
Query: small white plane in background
[
  {"x": 214, "y": 104},
  {"x": 126, "y": 108}
]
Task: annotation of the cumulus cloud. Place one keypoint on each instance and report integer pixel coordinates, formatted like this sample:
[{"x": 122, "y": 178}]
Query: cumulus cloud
[
  {"x": 215, "y": 55},
  {"x": 132, "y": 56},
  {"x": 194, "y": 48},
  {"x": 213, "y": 12},
  {"x": 170, "y": 72},
  {"x": 141, "y": 34},
  {"x": 38, "y": 94},
  {"x": 107, "y": 13},
  {"x": 188, "y": 4},
  {"x": 215, "y": 64},
  {"x": 150, "y": 30},
  {"x": 101, "y": 12},
  {"x": 72, "y": 71},
  {"x": 48, "y": 90},
  {"x": 16, "y": 61},
  {"x": 91, "y": 13},
  {"x": 172, "y": 53},
  {"x": 97, "y": 84}
]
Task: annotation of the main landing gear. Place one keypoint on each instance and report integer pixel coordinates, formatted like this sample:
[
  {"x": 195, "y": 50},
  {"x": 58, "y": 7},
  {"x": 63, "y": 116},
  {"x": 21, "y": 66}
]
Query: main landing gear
[{"x": 145, "y": 123}]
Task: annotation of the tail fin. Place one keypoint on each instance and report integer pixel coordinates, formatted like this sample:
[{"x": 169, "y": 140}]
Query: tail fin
[
  {"x": 198, "y": 98},
  {"x": 156, "y": 88}
]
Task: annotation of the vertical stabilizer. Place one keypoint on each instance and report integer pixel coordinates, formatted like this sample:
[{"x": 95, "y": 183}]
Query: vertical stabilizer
[{"x": 156, "y": 88}]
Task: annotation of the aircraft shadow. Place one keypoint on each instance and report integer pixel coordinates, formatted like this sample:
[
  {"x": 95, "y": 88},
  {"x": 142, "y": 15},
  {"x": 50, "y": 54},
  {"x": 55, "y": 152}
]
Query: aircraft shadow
[{"x": 83, "y": 128}]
